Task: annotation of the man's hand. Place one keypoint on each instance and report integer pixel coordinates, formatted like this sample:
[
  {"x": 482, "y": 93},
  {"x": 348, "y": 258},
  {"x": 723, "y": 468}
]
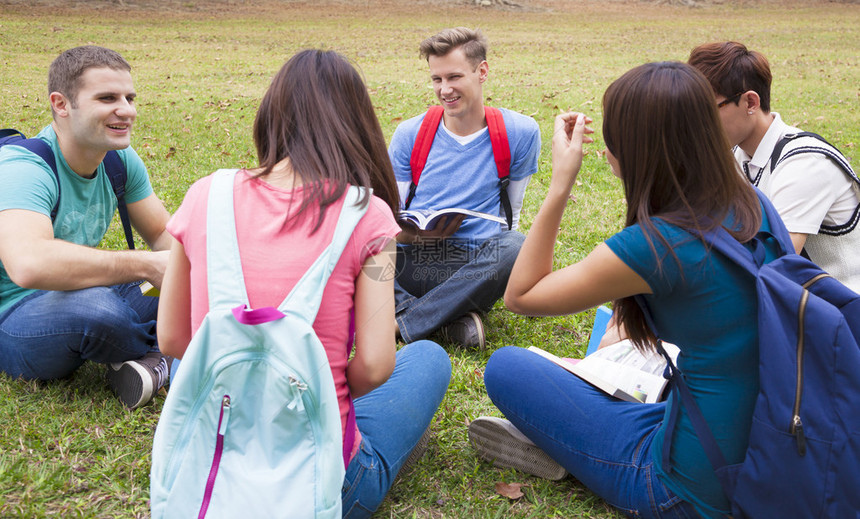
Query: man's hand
[{"x": 158, "y": 259}]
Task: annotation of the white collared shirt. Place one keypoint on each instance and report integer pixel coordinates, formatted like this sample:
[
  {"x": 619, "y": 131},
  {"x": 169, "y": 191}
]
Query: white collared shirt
[{"x": 808, "y": 189}]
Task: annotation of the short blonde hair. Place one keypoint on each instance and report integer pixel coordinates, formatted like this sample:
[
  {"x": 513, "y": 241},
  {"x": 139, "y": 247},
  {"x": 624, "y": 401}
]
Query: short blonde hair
[{"x": 472, "y": 41}]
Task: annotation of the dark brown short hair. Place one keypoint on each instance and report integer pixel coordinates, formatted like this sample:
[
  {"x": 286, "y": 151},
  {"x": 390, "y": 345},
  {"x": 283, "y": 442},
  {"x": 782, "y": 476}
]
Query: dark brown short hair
[
  {"x": 662, "y": 125},
  {"x": 317, "y": 113},
  {"x": 472, "y": 41},
  {"x": 732, "y": 69},
  {"x": 66, "y": 70}
]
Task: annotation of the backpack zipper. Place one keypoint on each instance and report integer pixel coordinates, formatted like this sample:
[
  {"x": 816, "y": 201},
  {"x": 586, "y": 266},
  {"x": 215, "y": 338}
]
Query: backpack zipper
[
  {"x": 796, "y": 427},
  {"x": 223, "y": 418},
  {"x": 312, "y": 411}
]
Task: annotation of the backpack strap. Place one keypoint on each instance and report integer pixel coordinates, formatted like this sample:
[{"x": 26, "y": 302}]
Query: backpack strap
[
  {"x": 224, "y": 275},
  {"x": 44, "y": 151},
  {"x": 498, "y": 140},
  {"x": 306, "y": 296},
  {"x": 682, "y": 394},
  {"x": 114, "y": 167},
  {"x": 828, "y": 150},
  {"x": 421, "y": 149},
  {"x": 752, "y": 259},
  {"x": 117, "y": 174},
  {"x": 502, "y": 156},
  {"x": 10, "y": 132},
  {"x": 815, "y": 143}
]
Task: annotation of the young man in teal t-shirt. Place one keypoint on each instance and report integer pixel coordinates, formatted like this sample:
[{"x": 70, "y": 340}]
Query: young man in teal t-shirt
[{"x": 62, "y": 300}]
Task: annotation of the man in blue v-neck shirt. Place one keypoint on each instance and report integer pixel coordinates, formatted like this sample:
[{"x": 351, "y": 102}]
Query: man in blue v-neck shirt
[{"x": 448, "y": 276}]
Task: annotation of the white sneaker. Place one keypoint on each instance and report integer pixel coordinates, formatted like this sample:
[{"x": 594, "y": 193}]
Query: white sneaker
[
  {"x": 135, "y": 382},
  {"x": 498, "y": 441}
]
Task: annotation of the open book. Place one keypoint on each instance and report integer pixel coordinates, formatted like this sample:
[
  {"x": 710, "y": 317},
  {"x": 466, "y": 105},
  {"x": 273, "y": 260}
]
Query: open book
[
  {"x": 427, "y": 219},
  {"x": 620, "y": 370}
]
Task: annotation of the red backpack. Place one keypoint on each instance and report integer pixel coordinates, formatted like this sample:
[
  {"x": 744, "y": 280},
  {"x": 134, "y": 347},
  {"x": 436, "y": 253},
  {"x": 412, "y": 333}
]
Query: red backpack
[{"x": 498, "y": 140}]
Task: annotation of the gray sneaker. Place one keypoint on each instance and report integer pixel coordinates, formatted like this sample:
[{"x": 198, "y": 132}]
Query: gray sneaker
[
  {"x": 498, "y": 441},
  {"x": 466, "y": 331},
  {"x": 135, "y": 382}
]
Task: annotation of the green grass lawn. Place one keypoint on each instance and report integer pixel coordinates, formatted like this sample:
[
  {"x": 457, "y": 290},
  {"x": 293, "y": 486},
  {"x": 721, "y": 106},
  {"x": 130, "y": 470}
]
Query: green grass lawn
[{"x": 69, "y": 449}]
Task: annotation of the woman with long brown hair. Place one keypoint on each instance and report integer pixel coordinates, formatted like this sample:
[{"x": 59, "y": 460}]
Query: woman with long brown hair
[
  {"x": 665, "y": 143},
  {"x": 316, "y": 135}
]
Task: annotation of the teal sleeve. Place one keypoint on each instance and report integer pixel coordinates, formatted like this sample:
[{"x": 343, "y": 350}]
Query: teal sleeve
[
  {"x": 631, "y": 247},
  {"x": 26, "y": 181},
  {"x": 137, "y": 185}
]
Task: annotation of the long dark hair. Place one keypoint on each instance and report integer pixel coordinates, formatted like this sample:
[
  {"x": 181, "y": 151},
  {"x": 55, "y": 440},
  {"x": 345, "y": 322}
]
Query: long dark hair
[
  {"x": 661, "y": 124},
  {"x": 317, "y": 113}
]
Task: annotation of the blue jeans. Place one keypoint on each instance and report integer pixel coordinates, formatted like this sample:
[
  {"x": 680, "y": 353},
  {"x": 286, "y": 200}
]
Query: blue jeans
[
  {"x": 441, "y": 280},
  {"x": 603, "y": 442},
  {"x": 48, "y": 334},
  {"x": 392, "y": 419}
]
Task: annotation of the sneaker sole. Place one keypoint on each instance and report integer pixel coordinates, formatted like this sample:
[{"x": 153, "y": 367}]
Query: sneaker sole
[
  {"x": 127, "y": 382},
  {"x": 498, "y": 441},
  {"x": 417, "y": 452}
]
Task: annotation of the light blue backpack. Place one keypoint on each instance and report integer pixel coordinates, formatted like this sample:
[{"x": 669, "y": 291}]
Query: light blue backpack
[{"x": 251, "y": 425}]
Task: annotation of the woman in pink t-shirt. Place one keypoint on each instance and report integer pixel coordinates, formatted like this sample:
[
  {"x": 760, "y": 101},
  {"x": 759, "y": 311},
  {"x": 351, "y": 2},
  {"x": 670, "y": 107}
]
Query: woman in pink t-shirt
[{"x": 316, "y": 134}]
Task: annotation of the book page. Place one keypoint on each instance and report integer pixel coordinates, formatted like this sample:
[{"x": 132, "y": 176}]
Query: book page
[
  {"x": 643, "y": 386},
  {"x": 620, "y": 370},
  {"x": 469, "y": 212},
  {"x": 640, "y": 375},
  {"x": 427, "y": 219},
  {"x": 595, "y": 380}
]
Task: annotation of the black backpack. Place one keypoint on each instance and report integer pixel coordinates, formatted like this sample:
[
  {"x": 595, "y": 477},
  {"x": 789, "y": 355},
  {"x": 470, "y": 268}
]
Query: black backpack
[{"x": 114, "y": 167}]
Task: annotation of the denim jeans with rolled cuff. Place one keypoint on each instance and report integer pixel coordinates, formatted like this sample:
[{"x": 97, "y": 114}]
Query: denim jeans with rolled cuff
[
  {"x": 441, "y": 280},
  {"x": 49, "y": 334}
]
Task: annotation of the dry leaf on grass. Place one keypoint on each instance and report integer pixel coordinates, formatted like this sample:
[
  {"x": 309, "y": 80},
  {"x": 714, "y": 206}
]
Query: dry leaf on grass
[{"x": 510, "y": 490}]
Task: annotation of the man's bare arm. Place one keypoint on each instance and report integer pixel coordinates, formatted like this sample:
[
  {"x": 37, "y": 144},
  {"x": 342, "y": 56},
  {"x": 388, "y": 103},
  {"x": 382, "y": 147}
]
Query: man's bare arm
[
  {"x": 149, "y": 218},
  {"x": 33, "y": 258},
  {"x": 798, "y": 240}
]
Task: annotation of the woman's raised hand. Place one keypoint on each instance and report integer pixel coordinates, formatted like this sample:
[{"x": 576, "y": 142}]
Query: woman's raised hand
[{"x": 571, "y": 132}]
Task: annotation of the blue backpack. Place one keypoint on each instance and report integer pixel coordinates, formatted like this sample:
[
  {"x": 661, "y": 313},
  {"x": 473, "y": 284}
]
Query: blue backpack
[
  {"x": 114, "y": 167},
  {"x": 803, "y": 458},
  {"x": 251, "y": 425}
]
